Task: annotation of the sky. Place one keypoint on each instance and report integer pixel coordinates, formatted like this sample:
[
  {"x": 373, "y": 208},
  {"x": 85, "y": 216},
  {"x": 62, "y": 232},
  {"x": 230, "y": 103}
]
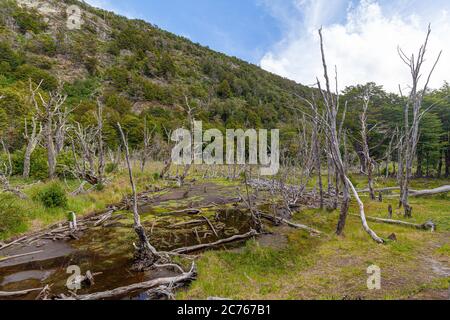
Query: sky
[{"x": 361, "y": 36}]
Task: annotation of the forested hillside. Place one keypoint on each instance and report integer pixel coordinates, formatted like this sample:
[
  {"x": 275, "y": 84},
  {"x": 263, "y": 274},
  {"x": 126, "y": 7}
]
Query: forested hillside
[
  {"x": 136, "y": 69},
  {"x": 141, "y": 73}
]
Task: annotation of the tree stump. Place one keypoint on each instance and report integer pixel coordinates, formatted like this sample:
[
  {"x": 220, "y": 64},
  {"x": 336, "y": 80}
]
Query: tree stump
[
  {"x": 392, "y": 237},
  {"x": 390, "y": 211},
  {"x": 408, "y": 211}
]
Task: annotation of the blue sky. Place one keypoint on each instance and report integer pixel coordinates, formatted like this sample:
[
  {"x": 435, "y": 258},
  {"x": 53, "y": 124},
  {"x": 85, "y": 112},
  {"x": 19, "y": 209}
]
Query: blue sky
[
  {"x": 242, "y": 28},
  {"x": 281, "y": 35}
]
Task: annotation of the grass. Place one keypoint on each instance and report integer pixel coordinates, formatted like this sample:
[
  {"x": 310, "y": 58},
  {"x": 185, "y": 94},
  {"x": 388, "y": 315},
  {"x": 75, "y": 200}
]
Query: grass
[
  {"x": 34, "y": 215},
  {"x": 333, "y": 267},
  {"x": 326, "y": 267}
]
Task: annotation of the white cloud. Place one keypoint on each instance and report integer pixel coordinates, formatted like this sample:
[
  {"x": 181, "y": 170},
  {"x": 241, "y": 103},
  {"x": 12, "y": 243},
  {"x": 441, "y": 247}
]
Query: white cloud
[{"x": 363, "y": 46}]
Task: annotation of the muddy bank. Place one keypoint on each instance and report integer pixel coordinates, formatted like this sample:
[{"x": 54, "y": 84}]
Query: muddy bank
[{"x": 108, "y": 249}]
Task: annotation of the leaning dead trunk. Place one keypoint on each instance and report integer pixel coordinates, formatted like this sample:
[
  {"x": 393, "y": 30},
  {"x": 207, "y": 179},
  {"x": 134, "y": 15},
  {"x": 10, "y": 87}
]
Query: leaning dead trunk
[
  {"x": 366, "y": 227},
  {"x": 145, "y": 255}
]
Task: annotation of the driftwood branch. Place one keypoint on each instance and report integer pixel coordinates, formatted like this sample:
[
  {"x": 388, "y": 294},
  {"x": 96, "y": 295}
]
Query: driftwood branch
[
  {"x": 426, "y": 226},
  {"x": 185, "y": 277},
  {"x": 239, "y": 237},
  {"x": 19, "y": 255},
  {"x": 293, "y": 225},
  {"x": 5, "y": 294}
]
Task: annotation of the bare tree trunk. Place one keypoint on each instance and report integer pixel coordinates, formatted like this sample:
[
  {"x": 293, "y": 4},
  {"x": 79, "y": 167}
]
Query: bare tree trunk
[
  {"x": 366, "y": 227},
  {"x": 32, "y": 141},
  {"x": 101, "y": 152},
  {"x": 146, "y": 255},
  {"x": 344, "y": 211},
  {"x": 51, "y": 111},
  {"x": 411, "y": 130},
  {"x": 8, "y": 155},
  {"x": 331, "y": 102},
  {"x": 51, "y": 152},
  {"x": 365, "y": 144},
  {"x": 389, "y": 156},
  {"x": 317, "y": 155}
]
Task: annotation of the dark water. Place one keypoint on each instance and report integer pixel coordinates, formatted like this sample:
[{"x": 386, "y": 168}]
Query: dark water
[{"x": 109, "y": 251}]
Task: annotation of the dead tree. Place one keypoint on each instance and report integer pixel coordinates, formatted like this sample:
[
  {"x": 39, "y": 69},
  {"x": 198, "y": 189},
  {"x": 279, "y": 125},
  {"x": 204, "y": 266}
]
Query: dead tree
[
  {"x": 8, "y": 166},
  {"x": 145, "y": 153},
  {"x": 389, "y": 151},
  {"x": 331, "y": 102},
  {"x": 51, "y": 114},
  {"x": 191, "y": 120},
  {"x": 317, "y": 150},
  {"x": 146, "y": 255},
  {"x": 6, "y": 187},
  {"x": 365, "y": 143},
  {"x": 255, "y": 214},
  {"x": 61, "y": 127},
  {"x": 412, "y": 121},
  {"x": 312, "y": 160},
  {"x": 100, "y": 148},
  {"x": 168, "y": 162},
  {"x": 85, "y": 144},
  {"x": 32, "y": 140}
]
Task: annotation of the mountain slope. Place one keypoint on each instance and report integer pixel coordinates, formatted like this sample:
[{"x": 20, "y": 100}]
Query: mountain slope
[{"x": 135, "y": 68}]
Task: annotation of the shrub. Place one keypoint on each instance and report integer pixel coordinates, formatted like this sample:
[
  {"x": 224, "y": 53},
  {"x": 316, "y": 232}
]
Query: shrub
[
  {"x": 119, "y": 103},
  {"x": 111, "y": 167},
  {"x": 38, "y": 163},
  {"x": 42, "y": 44},
  {"x": 119, "y": 77},
  {"x": 8, "y": 57},
  {"x": 24, "y": 72},
  {"x": 29, "y": 21},
  {"x": 53, "y": 196}
]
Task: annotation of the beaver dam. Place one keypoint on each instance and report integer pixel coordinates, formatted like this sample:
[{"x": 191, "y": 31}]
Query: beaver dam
[{"x": 180, "y": 221}]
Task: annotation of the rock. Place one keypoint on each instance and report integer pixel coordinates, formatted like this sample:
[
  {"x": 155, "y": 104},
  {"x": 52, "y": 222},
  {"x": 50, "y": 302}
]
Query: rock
[{"x": 392, "y": 237}]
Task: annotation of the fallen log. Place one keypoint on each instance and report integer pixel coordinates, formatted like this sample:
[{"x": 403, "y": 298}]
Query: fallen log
[
  {"x": 429, "y": 225},
  {"x": 12, "y": 243},
  {"x": 20, "y": 255},
  {"x": 187, "y": 211},
  {"x": 185, "y": 277},
  {"x": 379, "y": 190},
  {"x": 5, "y": 294},
  {"x": 430, "y": 192},
  {"x": 198, "y": 247},
  {"x": 211, "y": 227},
  {"x": 287, "y": 222},
  {"x": 188, "y": 223}
]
